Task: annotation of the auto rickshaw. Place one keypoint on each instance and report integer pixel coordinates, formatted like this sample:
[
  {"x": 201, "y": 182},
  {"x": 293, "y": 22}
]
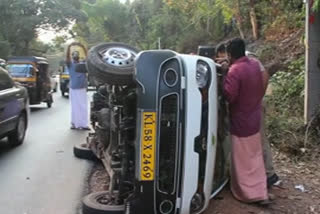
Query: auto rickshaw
[
  {"x": 33, "y": 73},
  {"x": 64, "y": 78}
]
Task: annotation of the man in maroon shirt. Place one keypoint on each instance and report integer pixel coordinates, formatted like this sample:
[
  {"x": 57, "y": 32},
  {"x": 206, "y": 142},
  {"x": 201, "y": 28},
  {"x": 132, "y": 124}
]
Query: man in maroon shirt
[
  {"x": 243, "y": 88},
  {"x": 222, "y": 57}
]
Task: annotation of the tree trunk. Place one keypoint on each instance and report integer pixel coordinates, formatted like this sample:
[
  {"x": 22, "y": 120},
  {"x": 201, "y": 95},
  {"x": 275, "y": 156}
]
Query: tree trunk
[
  {"x": 26, "y": 46},
  {"x": 253, "y": 20},
  {"x": 239, "y": 19},
  {"x": 208, "y": 20}
]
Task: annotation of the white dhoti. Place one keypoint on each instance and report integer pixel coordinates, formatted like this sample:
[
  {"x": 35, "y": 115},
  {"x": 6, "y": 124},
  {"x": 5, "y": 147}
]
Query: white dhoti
[{"x": 79, "y": 108}]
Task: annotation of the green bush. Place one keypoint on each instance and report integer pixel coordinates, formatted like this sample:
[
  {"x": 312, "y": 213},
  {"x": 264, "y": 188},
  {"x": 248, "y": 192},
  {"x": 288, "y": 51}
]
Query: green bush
[
  {"x": 285, "y": 107},
  {"x": 316, "y": 5}
]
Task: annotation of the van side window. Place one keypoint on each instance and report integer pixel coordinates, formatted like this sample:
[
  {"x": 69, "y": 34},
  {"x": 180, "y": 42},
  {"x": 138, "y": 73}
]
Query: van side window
[{"x": 5, "y": 80}]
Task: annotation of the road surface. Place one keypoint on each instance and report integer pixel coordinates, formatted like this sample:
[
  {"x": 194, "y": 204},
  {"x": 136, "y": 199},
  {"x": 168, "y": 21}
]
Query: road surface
[{"x": 42, "y": 176}]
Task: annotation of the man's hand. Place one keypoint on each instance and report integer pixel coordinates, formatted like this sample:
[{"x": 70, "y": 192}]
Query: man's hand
[
  {"x": 221, "y": 60},
  {"x": 224, "y": 68}
]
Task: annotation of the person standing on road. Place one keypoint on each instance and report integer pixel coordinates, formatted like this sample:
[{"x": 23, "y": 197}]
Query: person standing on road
[
  {"x": 272, "y": 177},
  {"x": 243, "y": 88},
  {"x": 78, "y": 93}
]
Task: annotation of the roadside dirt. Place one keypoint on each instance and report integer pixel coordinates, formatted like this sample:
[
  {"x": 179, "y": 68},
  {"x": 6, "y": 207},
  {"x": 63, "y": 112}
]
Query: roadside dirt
[
  {"x": 288, "y": 199},
  {"x": 289, "y": 195}
]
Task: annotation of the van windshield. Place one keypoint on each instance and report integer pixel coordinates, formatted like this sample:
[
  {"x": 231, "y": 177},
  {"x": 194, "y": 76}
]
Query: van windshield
[{"x": 20, "y": 70}]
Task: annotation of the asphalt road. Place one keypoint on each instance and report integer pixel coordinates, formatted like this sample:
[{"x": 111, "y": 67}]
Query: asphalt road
[{"x": 42, "y": 176}]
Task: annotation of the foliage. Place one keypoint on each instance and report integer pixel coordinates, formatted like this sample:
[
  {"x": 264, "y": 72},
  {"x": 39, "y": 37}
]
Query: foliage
[
  {"x": 280, "y": 18},
  {"x": 316, "y": 5},
  {"x": 4, "y": 49},
  {"x": 285, "y": 107},
  {"x": 20, "y": 20}
]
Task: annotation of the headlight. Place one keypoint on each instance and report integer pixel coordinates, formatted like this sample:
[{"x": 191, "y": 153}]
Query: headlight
[
  {"x": 202, "y": 74},
  {"x": 170, "y": 77}
]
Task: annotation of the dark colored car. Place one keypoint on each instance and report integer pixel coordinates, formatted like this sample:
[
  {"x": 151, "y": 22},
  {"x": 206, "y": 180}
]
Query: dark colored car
[{"x": 14, "y": 109}]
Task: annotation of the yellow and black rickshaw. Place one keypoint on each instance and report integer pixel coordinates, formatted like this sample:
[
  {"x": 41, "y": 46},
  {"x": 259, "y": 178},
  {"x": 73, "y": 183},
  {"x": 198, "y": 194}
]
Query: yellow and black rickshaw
[
  {"x": 33, "y": 73},
  {"x": 64, "y": 78}
]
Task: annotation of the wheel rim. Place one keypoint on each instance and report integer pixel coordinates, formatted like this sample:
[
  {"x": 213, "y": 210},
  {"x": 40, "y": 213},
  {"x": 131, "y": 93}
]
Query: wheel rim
[
  {"x": 21, "y": 127},
  {"x": 107, "y": 199},
  {"x": 119, "y": 57}
]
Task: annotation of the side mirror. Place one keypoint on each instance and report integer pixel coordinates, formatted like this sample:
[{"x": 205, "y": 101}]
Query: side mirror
[{"x": 207, "y": 51}]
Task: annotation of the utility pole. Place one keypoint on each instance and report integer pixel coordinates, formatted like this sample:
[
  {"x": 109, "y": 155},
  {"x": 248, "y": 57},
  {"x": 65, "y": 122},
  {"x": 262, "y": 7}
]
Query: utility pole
[
  {"x": 312, "y": 74},
  {"x": 159, "y": 43}
]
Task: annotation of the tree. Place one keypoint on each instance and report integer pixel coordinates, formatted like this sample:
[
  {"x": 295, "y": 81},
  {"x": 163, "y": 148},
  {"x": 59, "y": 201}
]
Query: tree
[
  {"x": 107, "y": 18},
  {"x": 253, "y": 19},
  {"x": 20, "y": 19},
  {"x": 4, "y": 49},
  {"x": 316, "y": 5}
]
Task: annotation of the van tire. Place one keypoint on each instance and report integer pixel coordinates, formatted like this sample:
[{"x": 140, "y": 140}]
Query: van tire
[
  {"x": 91, "y": 205},
  {"x": 83, "y": 152},
  {"x": 103, "y": 71}
]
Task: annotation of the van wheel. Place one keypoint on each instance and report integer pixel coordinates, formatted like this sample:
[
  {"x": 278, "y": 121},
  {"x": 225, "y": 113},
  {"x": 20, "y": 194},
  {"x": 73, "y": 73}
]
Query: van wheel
[
  {"x": 17, "y": 136},
  {"x": 112, "y": 63},
  {"x": 83, "y": 152},
  {"x": 101, "y": 203}
]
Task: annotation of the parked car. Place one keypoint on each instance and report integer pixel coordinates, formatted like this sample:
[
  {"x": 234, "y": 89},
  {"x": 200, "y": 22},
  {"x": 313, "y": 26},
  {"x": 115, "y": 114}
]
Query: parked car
[
  {"x": 155, "y": 119},
  {"x": 14, "y": 109}
]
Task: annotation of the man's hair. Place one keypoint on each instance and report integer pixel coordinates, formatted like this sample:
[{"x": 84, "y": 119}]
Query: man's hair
[
  {"x": 221, "y": 48},
  {"x": 236, "y": 48}
]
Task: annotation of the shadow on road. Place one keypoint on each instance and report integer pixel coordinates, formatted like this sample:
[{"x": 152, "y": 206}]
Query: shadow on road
[
  {"x": 38, "y": 108},
  {"x": 5, "y": 147}
]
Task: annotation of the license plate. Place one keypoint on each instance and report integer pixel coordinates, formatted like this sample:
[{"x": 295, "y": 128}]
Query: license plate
[{"x": 148, "y": 143}]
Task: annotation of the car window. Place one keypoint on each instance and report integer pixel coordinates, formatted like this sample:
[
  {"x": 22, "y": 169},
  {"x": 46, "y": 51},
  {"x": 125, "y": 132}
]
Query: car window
[{"x": 5, "y": 80}]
